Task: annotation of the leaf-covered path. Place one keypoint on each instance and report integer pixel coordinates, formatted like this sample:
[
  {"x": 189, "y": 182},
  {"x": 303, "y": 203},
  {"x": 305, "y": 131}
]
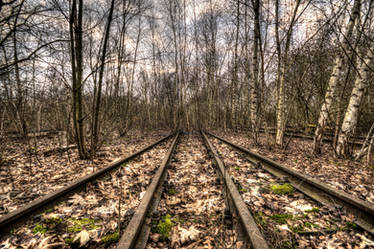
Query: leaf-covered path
[{"x": 191, "y": 212}]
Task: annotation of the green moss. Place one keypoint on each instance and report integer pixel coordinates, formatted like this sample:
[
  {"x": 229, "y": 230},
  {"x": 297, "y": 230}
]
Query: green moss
[
  {"x": 171, "y": 191},
  {"x": 79, "y": 224},
  {"x": 310, "y": 225},
  {"x": 260, "y": 219},
  {"x": 283, "y": 189},
  {"x": 301, "y": 227},
  {"x": 164, "y": 227},
  {"x": 69, "y": 241},
  {"x": 297, "y": 229},
  {"x": 350, "y": 225},
  {"x": 74, "y": 229},
  {"x": 288, "y": 245},
  {"x": 313, "y": 210},
  {"x": 281, "y": 218},
  {"x": 39, "y": 228},
  {"x": 154, "y": 222},
  {"x": 53, "y": 220},
  {"x": 50, "y": 210},
  {"x": 110, "y": 238}
]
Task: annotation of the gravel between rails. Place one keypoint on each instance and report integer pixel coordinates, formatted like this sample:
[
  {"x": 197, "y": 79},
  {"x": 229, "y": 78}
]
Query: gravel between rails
[
  {"x": 90, "y": 218},
  {"x": 192, "y": 204},
  {"x": 289, "y": 220},
  {"x": 31, "y": 175}
]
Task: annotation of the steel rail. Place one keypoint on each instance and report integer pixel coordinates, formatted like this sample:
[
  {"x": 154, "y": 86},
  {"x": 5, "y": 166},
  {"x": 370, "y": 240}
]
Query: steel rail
[
  {"x": 251, "y": 229},
  {"x": 130, "y": 235},
  {"x": 317, "y": 190},
  {"x": 24, "y": 212}
]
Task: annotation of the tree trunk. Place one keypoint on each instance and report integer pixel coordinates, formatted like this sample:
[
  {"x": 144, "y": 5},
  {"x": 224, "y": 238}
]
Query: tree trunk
[
  {"x": 334, "y": 78},
  {"x": 255, "y": 61},
  {"x": 20, "y": 105},
  {"x": 281, "y": 122},
  {"x": 95, "y": 129},
  {"x": 75, "y": 26},
  {"x": 351, "y": 115}
]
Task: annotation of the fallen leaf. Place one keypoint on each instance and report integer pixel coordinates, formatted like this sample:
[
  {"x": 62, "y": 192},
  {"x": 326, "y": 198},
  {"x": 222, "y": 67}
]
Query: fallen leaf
[
  {"x": 181, "y": 235},
  {"x": 83, "y": 237},
  {"x": 365, "y": 241}
]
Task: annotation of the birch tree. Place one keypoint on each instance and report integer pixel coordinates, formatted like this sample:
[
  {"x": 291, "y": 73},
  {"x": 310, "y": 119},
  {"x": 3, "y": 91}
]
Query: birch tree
[
  {"x": 255, "y": 67},
  {"x": 282, "y": 69},
  {"x": 335, "y": 77},
  {"x": 351, "y": 115}
]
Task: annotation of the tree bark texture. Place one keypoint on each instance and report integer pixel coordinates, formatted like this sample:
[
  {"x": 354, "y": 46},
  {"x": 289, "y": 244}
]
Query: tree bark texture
[
  {"x": 281, "y": 122},
  {"x": 351, "y": 115},
  {"x": 255, "y": 66},
  {"x": 75, "y": 26},
  {"x": 334, "y": 79}
]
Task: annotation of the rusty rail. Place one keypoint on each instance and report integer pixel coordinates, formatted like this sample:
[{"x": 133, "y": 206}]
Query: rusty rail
[
  {"x": 253, "y": 233},
  {"x": 317, "y": 190},
  {"x": 130, "y": 235},
  {"x": 24, "y": 212}
]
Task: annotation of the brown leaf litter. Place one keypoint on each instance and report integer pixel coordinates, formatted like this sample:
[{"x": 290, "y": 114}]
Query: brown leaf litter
[
  {"x": 344, "y": 174},
  {"x": 289, "y": 219},
  {"x": 90, "y": 218},
  {"x": 28, "y": 174}
]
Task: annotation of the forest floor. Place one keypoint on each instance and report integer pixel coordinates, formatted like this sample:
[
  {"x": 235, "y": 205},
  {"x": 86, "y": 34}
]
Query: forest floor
[
  {"x": 288, "y": 218},
  {"x": 192, "y": 207},
  {"x": 26, "y": 173},
  {"x": 348, "y": 175}
]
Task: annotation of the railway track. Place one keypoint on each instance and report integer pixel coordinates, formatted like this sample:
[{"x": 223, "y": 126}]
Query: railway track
[
  {"x": 188, "y": 202},
  {"x": 361, "y": 212},
  {"x": 70, "y": 206},
  {"x": 193, "y": 196}
]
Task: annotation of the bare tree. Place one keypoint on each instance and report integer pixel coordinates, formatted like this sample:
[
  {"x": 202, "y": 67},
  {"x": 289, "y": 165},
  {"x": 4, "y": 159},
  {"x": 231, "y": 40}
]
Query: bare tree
[
  {"x": 97, "y": 103},
  {"x": 76, "y": 50}
]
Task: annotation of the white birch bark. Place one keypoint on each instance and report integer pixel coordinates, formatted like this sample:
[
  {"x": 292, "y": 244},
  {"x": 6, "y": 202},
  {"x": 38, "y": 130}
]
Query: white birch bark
[
  {"x": 351, "y": 115},
  {"x": 281, "y": 122},
  {"x": 334, "y": 79}
]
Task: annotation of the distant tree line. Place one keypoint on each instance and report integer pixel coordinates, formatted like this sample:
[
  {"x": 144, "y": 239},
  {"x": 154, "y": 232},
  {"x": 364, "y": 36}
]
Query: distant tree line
[{"x": 98, "y": 68}]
